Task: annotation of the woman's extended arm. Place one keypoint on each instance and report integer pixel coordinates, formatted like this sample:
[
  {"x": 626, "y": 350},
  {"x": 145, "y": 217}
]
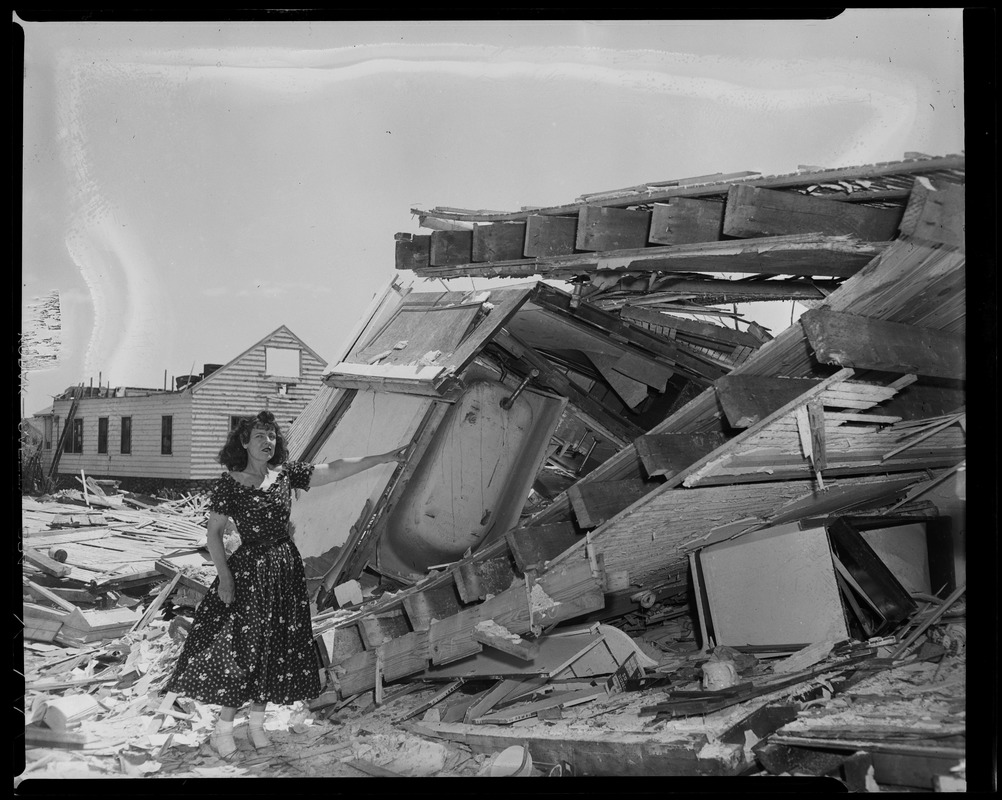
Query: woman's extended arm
[
  {"x": 342, "y": 468},
  {"x": 214, "y": 542}
]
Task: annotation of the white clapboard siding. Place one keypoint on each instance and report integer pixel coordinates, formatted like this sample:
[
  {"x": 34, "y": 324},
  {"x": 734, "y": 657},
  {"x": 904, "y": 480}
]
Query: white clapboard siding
[
  {"x": 241, "y": 388},
  {"x": 145, "y": 460},
  {"x": 201, "y": 416}
]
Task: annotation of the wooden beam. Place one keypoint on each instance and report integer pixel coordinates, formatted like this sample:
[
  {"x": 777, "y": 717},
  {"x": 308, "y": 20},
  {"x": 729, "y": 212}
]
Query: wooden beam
[
  {"x": 765, "y": 212},
  {"x": 489, "y": 633},
  {"x": 797, "y": 254},
  {"x": 594, "y": 503},
  {"x": 412, "y": 252},
  {"x": 748, "y": 399},
  {"x": 547, "y": 236},
  {"x": 686, "y": 220},
  {"x": 533, "y": 547},
  {"x": 864, "y": 343},
  {"x": 800, "y": 179},
  {"x": 48, "y": 565},
  {"x": 451, "y": 247},
  {"x": 707, "y": 334},
  {"x": 612, "y": 228},
  {"x": 499, "y": 241},
  {"x": 935, "y": 214},
  {"x": 666, "y": 454}
]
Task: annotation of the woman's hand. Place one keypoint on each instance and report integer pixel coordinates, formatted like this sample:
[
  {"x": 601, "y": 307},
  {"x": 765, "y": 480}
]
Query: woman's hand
[
  {"x": 226, "y": 589},
  {"x": 399, "y": 455}
]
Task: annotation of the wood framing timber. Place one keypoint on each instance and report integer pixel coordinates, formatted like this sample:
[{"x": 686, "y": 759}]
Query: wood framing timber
[
  {"x": 549, "y": 236},
  {"x": 799, "y": 254},
  {"x": 451, "y": 247},
  {"x": 748, "y": 399},
  {"x": 612, "y": 228},
  {"x": 853, "y": 341},
  {"x": 562, "y": 593},
  {"x": 666, "y": 454},
  {"x": 900, "y": 173},
  {"x": 686, "y": 220},
  {"x": 594, "y": 503},
  {"x": 413, "y": 252},
  {"x": 767, "y": 212},
  {"x": 498, "y": 242},
  {"x": 935, "y": 214}
]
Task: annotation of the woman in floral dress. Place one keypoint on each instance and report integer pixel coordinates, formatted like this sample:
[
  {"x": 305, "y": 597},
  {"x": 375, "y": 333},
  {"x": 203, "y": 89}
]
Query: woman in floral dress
[{"x": 251, "y": 640}]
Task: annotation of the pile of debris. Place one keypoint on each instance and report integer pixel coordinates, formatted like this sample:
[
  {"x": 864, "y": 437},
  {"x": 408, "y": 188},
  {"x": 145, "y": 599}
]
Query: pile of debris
[{"x": 628, "y": 539}]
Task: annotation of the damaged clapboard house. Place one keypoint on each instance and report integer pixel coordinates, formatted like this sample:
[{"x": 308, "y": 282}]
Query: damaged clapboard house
[{"x": 590, "y": 456}]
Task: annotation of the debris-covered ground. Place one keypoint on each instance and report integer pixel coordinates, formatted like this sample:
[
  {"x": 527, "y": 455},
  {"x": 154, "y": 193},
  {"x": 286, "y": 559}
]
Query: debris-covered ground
[{"x": 95, "y": 707}]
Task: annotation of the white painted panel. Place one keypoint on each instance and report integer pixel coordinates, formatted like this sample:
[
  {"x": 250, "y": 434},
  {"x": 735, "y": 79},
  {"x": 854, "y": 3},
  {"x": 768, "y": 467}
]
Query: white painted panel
[
  {"x": 772, "y": 587},
  {"x": 374, "y": 423}
]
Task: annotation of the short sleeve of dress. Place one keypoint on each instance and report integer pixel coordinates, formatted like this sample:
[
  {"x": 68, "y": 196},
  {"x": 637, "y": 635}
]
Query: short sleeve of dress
[
  {"x": 221, "y": 496},
  {"x": 299, "y": 473}
]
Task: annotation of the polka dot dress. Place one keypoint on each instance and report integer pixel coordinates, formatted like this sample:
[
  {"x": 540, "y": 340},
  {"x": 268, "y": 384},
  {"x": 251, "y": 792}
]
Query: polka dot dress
[{"x": 259, "y": 648}]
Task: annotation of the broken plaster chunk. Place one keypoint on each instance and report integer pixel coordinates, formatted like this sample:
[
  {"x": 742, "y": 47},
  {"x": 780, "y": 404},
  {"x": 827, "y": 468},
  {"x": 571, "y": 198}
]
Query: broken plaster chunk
[
  {"x": 540, "y": 600},
  {"x": 491, "y": 628}
]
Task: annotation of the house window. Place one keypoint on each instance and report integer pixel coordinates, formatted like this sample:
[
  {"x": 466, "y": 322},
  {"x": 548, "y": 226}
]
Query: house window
[
  {"x": 166, "y": 435},
  {"x": 281, "y": 362},
  {"x": 47, "y": 433},
  {"x": 102, "y": 434},
  {"x": 126, "y": 448},
  {"x": 74, "y": 437}
]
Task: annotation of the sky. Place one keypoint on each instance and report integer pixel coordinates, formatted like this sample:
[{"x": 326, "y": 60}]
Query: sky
[{"x": 190, "y": 187}]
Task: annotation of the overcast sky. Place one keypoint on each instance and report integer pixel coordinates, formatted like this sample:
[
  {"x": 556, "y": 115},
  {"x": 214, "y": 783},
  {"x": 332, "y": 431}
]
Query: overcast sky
[{"x": 189, "y": 187}]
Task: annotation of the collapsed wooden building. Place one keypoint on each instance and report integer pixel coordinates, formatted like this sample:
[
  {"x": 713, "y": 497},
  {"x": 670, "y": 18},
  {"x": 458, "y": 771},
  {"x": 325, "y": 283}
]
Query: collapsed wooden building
[{"x": 589, "y": 453}]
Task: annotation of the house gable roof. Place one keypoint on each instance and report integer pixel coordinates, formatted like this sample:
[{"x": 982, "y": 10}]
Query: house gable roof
[{"x": 259, "y": 343}]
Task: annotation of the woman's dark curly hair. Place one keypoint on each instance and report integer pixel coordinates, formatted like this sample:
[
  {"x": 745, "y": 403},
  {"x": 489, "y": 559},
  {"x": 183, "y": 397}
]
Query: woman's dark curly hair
[{"x": 233, "y": 456}]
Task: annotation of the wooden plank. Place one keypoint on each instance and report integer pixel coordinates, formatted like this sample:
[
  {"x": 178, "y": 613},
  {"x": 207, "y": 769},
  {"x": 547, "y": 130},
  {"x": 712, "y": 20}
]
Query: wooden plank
[
  {"x": 612, "y": 228},
  {"x": 667, "y": 454},
  {"x": 748, "y": 399},
  {"x": 615, "y": 754},
  {"x": 630, "y": 391},
  {"x": 48, "y": 565},
  {"x": 52, "y": 597},
  {"x": 802, "y": 179},
  {"x": 864, "y": 343},
  {"x": 451, "y": 247},
  {"x": 532, "y": 547},
  {"x": 477, "y": 579},
  {"x": 685, "y": 220},
  {"x": 157, "y": 603},
  {"x": 594, "y": 503},
  {"x": 430, "y": 604},
  {"x": 559, "y": 699},
  {"x": 489, "y": 633},
  {"x": 707, "y": 333},
  {"x": 549, "y": 235},
  {"x": 935, "y": 214},
  {"x": 490, "y": 698},
  {"x": 376, "y": 629},
  {"x": 498, "y": 241},
  {"x": 754, "y": 212}
]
